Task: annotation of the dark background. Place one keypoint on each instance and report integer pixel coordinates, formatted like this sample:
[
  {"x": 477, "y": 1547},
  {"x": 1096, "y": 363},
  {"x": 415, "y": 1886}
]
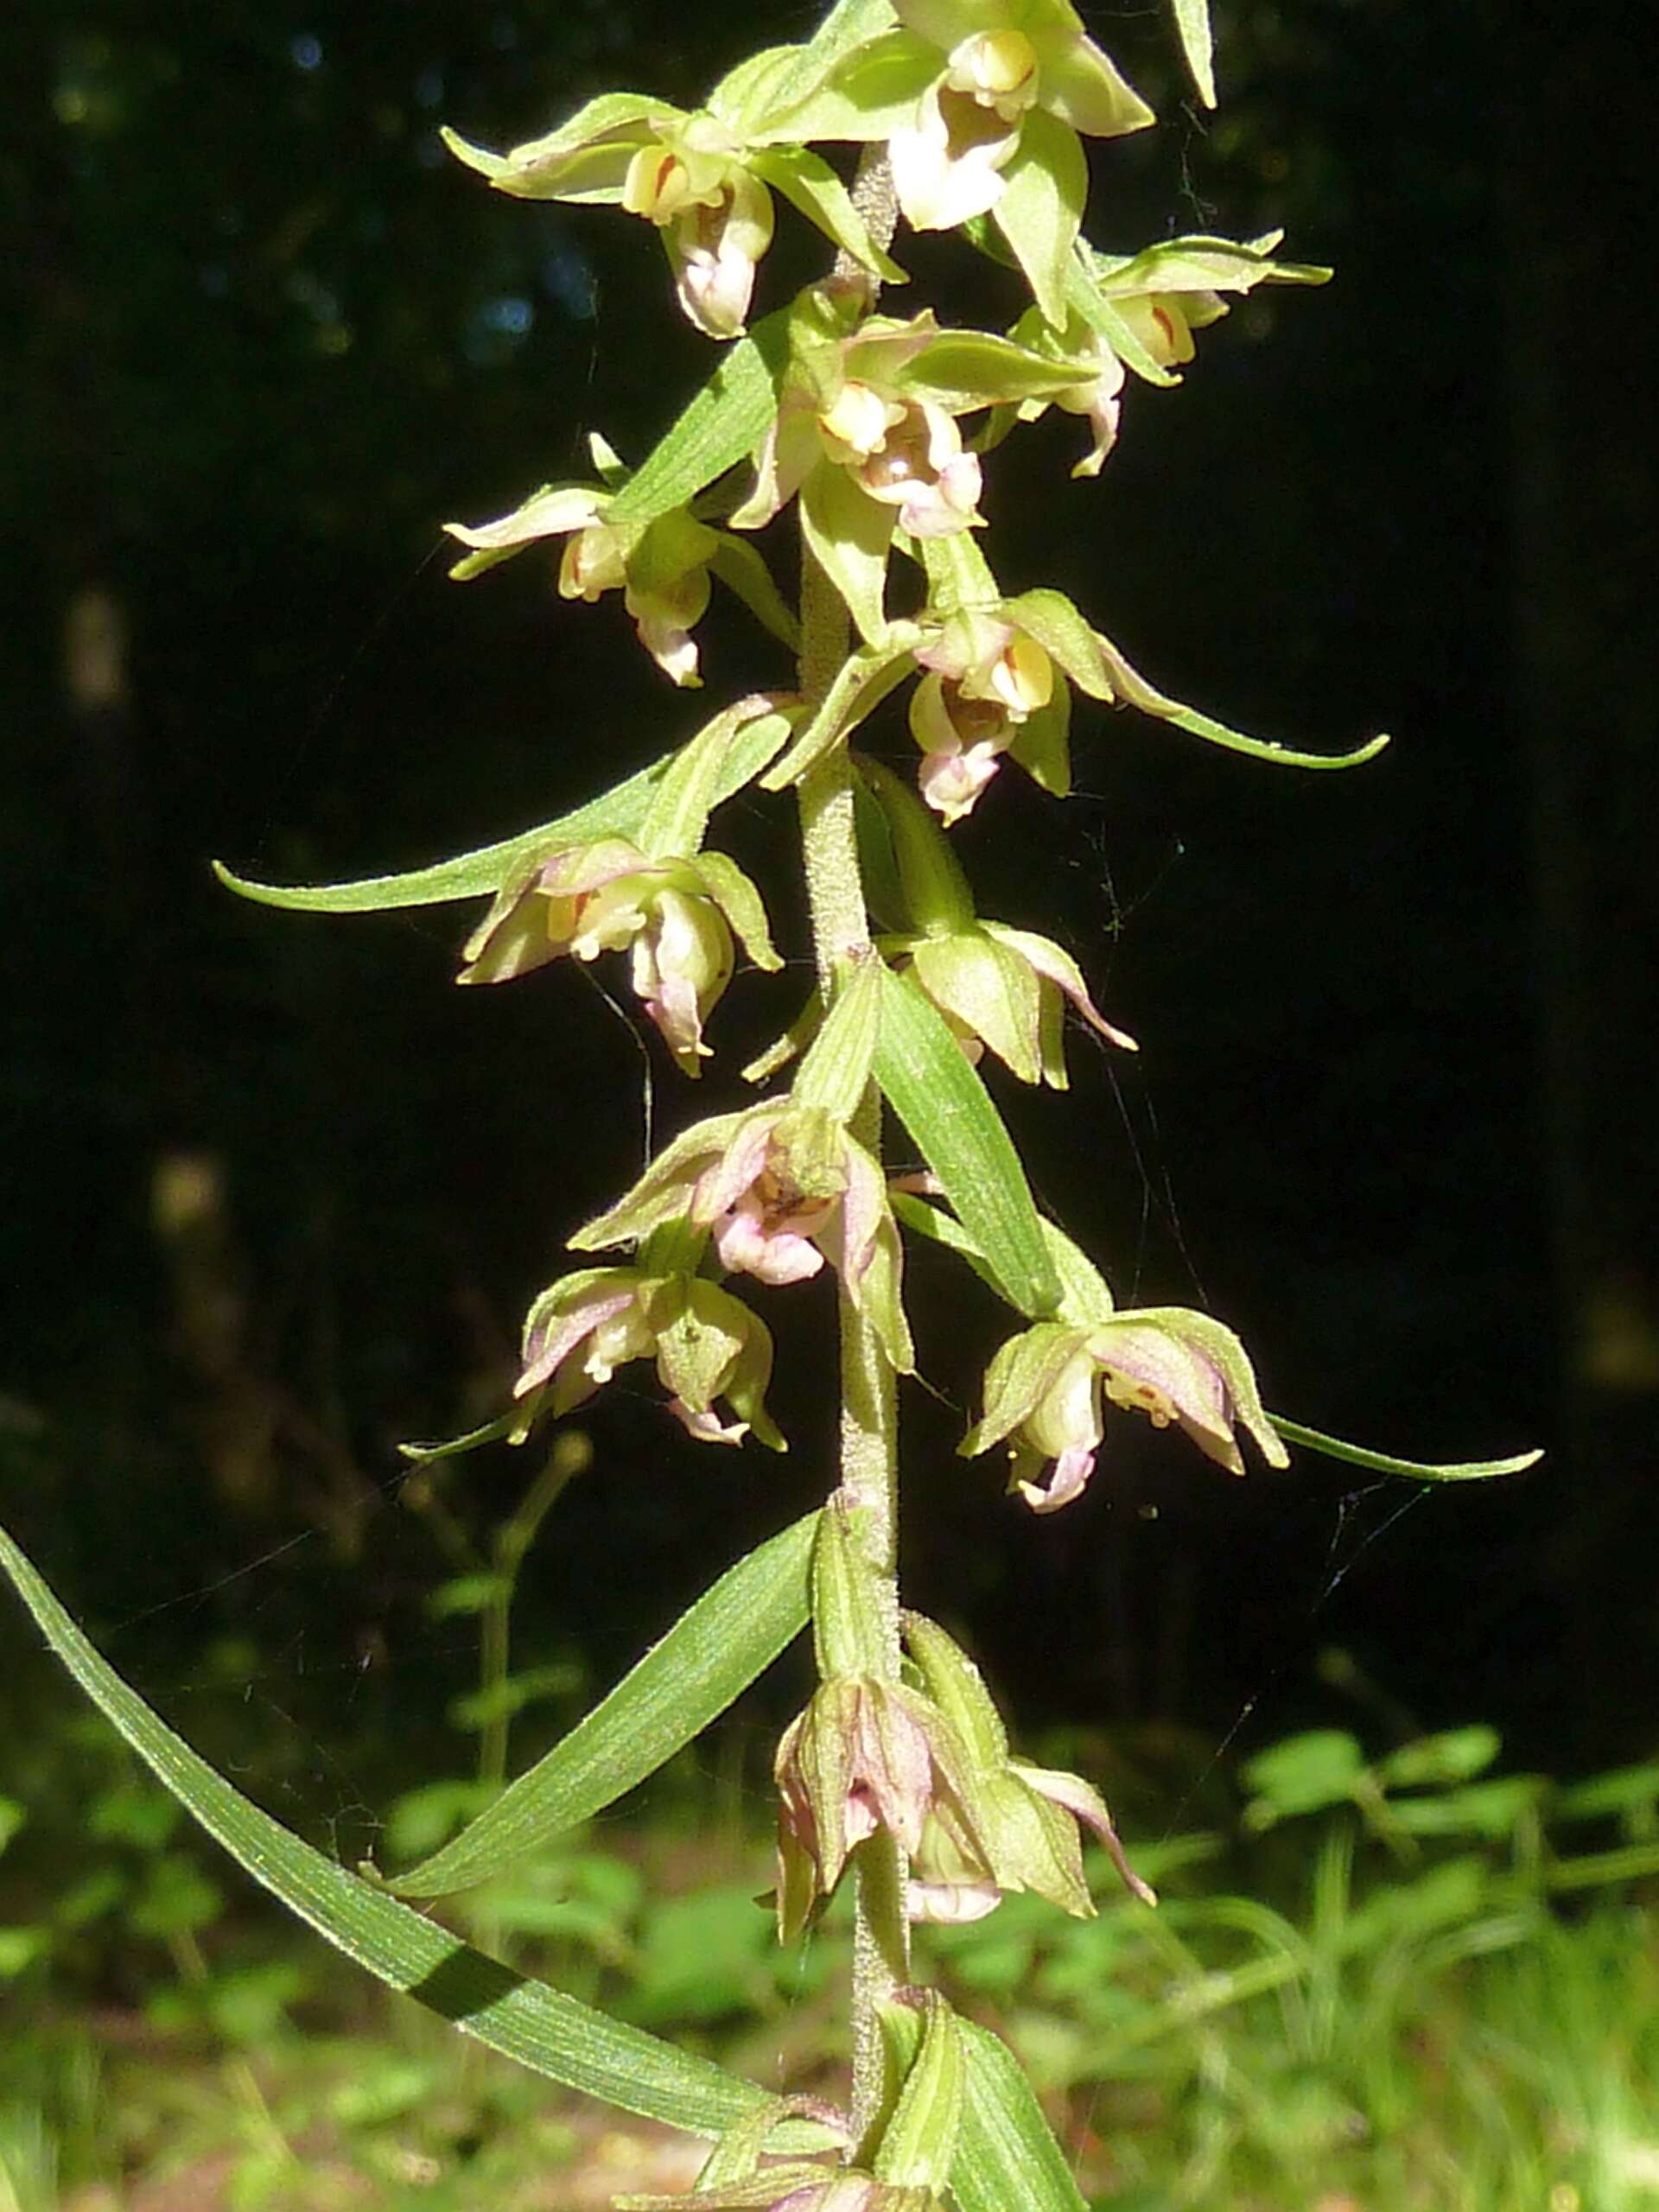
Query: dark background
[{"x": 275, "y": 1195}]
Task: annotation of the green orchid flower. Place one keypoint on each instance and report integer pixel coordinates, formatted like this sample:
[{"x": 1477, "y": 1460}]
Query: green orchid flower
[
  {"x": 693, "y": 176},
  {"x": 980, "y": 103}
]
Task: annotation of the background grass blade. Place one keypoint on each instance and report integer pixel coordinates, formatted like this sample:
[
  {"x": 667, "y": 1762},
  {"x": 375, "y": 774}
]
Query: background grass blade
[
  {"x": 523, "y": 2018},
  {"x": 711, "y": 1654}
]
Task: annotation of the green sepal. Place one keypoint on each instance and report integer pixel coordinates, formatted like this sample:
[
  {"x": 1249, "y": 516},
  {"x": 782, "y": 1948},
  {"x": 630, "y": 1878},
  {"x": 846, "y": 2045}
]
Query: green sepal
[
  {"x": 1064, "y": 635},
  {"x": 1198, "y": 263},
  {"x": 937, "y": 900},
  {"x": 730, "y": 1636},
  {"x": 1384, "y": 1463},
  {"x": 661, "y": 1192},
  {"x": 918, "y": 2144},
  {"x": 1040, "y": 212},
  {"x": 619, "y": 812},
  {"x": 990, "y": 990},
  {"x": 546, "y": 168},
  {"x": 848, "y": 1628},
  {"x": 1020, "y": 1372},
  {"x": 809, "y": 183},
  {"x": 963, "y": 370},
  {"x": 947, "y": 1111},
  {"x": 835, "y": 1072},
  {"x": 850, "y": 533},
  {"x": 739, "y": 900},
  {"x": 1198, "y": 43},
  {"x": 956, "y": 1686},
  {"x": 521, "y": 2018},
  {"x": 958, "y": 575},
  {"x": 1083, "y": 292},
  {"x": 1217, "y": 1343},
  {"x": 710, "y": 1345},
  {"x": 725, "y": 421},
  {"x": 864, "y": 680},
  {"x": 1042, "y": 744}
]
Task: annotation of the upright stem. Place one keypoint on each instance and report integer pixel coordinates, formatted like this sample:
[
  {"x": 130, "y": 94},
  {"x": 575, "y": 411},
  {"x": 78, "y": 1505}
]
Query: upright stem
[{"x": 869, "y": 1416}]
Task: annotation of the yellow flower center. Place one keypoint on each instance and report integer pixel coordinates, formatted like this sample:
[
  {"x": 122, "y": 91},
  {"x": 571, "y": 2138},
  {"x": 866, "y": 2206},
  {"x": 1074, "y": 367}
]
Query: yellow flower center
[
  {"x": 995, "y": 65},
  {"x": 1023, "y": 676}
]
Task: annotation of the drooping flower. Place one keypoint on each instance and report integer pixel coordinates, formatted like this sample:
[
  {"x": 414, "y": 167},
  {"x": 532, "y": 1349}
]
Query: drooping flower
[
  {"x": 1023, "y": 1832},
  {"x": 1151, "y": 303},
  {"x": 660, "y": 568},
  {"x": 675, "y": 917},
  {"x": 989, "y": 688},
  {"x": 781, "y": 1188},
  {"x": 1046, "y": 1388},
  {"x": 985, "y": 90},
  {"x": 707, "y": 1344}
]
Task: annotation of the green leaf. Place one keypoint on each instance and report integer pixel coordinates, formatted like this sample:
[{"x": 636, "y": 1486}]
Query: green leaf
[
  {"x": 809, "y": 183},
  {"x": 521, "y": 2018},
  {"x": 1006, "y": 2153},
  {"x": 867, "y": 92},
  {"x": 1133, "y": 689},
  {"x": 1431, "y": 1762},
  {"x": 1084, "y": 1296},
  {"x": 1198, "y": 43},
  {"x": 1047, "y": 184},
  {"x": 835, "y": 1072},
  {"x": 724, "y": 422},
  {"x": 799, "y": 71},
  {"x": 947, "y": 1110},
  {"x": 616, "y": 813},
  {"x": 1199, "y": 263},
  {"x": 963, "y": 370},
  {"x": 1383, "y": 1463},
  {"x": 1303, "y": 1774},
  {"x": 714, "y": 1651}
]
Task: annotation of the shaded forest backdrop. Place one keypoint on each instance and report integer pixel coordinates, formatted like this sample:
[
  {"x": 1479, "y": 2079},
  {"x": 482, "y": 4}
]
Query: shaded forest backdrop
[{"x": 276, "y": 1195}]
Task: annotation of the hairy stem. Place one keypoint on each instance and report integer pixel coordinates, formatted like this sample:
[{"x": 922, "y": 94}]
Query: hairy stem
[{"x": 870, "y": 1418}]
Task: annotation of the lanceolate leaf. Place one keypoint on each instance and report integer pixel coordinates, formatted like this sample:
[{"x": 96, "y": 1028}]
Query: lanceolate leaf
[
  {"x": 947, "y": 1110},
  {"x": 1192, "y": 22},
  {"x": 617, "y": 813},
  {"x": 525, "y": 2019},
  {"x": 725, "y": 421},
  {"x": 1383, "y": 1463},
  {"x": 712, "y": 1653},
  {"x": 1006, "y": 2154}
]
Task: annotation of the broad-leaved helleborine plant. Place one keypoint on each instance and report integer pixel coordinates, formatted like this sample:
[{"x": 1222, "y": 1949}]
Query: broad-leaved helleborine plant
[{"x": 866, "y": 429}]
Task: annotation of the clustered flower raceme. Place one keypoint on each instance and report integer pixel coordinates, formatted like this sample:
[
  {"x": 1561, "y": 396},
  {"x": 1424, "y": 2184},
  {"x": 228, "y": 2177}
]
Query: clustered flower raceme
[
  {"x": 675, "y": 917},
  {"x": 707, "y": 1346},
  {"x": 1045, "y": 1388}
]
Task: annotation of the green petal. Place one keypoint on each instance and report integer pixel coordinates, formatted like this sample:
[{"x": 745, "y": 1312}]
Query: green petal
[
  {"x": 1221, "y": 1347},
  {"x": 1200, "y": 264},
  {"x": 1065, "y": 636},
  {"x": 990, "y": 990},
  {"x": 1383, "y": 1463},
  {"x": 1084, "y": 87},
  {"x": 662, "y": 1191},
  {"x": 1041, "y": 211},
  {"x": 1022, "y": 1371}
]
